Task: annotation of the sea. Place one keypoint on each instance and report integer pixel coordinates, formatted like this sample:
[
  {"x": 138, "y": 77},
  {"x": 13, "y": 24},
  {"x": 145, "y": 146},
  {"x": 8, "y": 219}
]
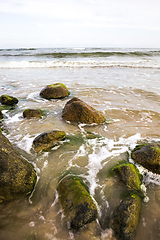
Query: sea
[{"x": 124, "y": 85}]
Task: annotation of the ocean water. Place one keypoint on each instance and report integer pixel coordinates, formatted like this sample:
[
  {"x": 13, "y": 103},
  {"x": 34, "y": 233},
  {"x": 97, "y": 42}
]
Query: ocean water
[{"x": 124, "y": 85}]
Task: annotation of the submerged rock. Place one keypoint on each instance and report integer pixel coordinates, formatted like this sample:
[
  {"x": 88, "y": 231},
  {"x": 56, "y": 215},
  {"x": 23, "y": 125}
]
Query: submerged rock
[
  {"x": 17, "y": 176},
  {"x": 76, "y": 201},
  {"x": 148, "y": 155},
  {"x": 47, "y": 140},
  {"x": 8, "y": 100},
  {"x": 129, "y": 175},
  {"x": 29, "y": 113},
  {"x": 125, "y": 217},
  {"x": 54, "y": 91},
  {"x": 78, "y": 111},
  {"x": 1, "y": 115}
]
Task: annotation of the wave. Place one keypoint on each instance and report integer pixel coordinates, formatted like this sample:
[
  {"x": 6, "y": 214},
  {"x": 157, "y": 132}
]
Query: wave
[
  {"x": 78, "y": 64},
  {"x": 79, "y": 52}
]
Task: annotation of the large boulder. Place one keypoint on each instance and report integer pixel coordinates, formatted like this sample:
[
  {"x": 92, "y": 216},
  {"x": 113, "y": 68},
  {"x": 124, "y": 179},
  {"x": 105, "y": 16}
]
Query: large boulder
[
  {"x": 78, "y": 111},
  {"x": 17, "y": 176},
  {"x": 77, "y": 204},
  {"x": 30, "y": 113},
  {"x": 125, "y": 217},
  {"x": 8, "y": 100},
  {"x": 54, "y": 91},
  {"x": 148, "y": 155},
  {"x": 47, "y": 140},
  {"x": 129, "y": 175}
]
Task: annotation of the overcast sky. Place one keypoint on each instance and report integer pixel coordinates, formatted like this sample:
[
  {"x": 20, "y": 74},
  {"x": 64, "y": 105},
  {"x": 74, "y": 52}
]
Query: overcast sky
[{"x": 79, "y": 23}]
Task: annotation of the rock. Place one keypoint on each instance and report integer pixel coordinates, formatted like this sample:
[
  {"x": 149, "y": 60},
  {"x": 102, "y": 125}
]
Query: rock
[
  {"x": 8, "y": 100},
  {"x": 54, "y": 91},
  {"x": 76, "y": 201},
  {"x": 78, "y": 111},
  {"x": 29, "y": 113},
  {"x": 129, "y": 175},
  {"x": 148, "y": 155},
  {"x": 1, "y": 115},
  {"x": 17, "y": 176},
  {"x": 125, "y": 217},
  {"x": 47, "y": 140}
]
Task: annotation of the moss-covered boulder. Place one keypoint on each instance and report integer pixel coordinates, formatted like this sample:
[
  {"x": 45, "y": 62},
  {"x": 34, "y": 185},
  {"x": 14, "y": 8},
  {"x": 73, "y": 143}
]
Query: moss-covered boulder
[
  {"x": 1, "y": 115},
  {"x": 77, "y": 111},
  {"x": 148, "y": 155},
  {"x": 129, "y": 175},
  {"x": 47, "y": 140},
  {"x": 125, "y": 217},
  {"x": 54, "y": 91},
  {"x": 8, "y": 100},
  {"x": 17, "y": 176},
  {"x": 32, "y": 113},
  {"x": 77, "y": 204}
]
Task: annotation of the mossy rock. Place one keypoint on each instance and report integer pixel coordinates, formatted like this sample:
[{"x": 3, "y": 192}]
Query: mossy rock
[
  {"x": 148, "y": 155},
  {"x": 125, "y": 217},
  {"x": 77, "y": 111},
  {"x": 32, "y": 113},
  {"x": 54, "y": 91},
  {"x": 129, "y": 175},
  {"x": 17, "y": 176},
  {"x": 8, "y": 100},
  {"x": 77, "y": 204},
  {"x": 47, "y": 140},
  {"x": 1, "y": 115}
]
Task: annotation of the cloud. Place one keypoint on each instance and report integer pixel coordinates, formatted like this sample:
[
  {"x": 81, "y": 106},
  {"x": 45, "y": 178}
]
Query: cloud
[{"x": 86, "y": 19}]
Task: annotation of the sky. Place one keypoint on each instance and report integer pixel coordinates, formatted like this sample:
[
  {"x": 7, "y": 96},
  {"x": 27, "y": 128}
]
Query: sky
[{"x": 79, "y": 23}]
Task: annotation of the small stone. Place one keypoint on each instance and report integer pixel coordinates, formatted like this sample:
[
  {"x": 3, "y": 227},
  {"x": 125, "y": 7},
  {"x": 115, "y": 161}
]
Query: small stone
[
  {"x": 129, "y": 175},
  {"x": 148, "y": 155},
  {"x": 47, "y": 140},
  {"x": 1, "y": 115},
  {"x": 54, "y": 91},
  {"x": 30, "y": 113},
  {"x": 8, "y": 100}
]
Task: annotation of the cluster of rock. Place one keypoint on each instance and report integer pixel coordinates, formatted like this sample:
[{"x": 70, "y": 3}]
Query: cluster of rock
[{"x": 17, "y": 176}]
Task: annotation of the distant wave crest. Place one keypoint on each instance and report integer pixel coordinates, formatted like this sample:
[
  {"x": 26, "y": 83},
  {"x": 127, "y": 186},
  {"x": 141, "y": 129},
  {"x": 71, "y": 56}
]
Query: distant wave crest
[{"x": 78, "y": 53}]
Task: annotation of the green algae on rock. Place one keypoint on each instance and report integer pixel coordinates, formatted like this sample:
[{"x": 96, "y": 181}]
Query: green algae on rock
[
  {"x": 47, "y": 140},
  {"x": 148, "y": 155},
  {"x": 54, "y": 91},
  {"x": 77, "y": 111},
  {"x": 77, "y": 204},
  {"x": 129, "y": 175},
  {"x": 8, "y": 100},
  {"x": 126, "y": 216},
  {"x": 31, "y": 113},
  {"x": 17, "y": 176}
]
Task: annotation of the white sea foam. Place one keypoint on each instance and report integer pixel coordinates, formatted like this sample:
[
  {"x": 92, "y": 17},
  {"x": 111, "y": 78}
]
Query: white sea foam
[
  {"x": 80, "y": 63},
  {"x": 26, "y": 143},
  {"x": 34, "y": 96},
  {"x": 15, "y": 118},
  {"x": 99, "y": 152}
]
